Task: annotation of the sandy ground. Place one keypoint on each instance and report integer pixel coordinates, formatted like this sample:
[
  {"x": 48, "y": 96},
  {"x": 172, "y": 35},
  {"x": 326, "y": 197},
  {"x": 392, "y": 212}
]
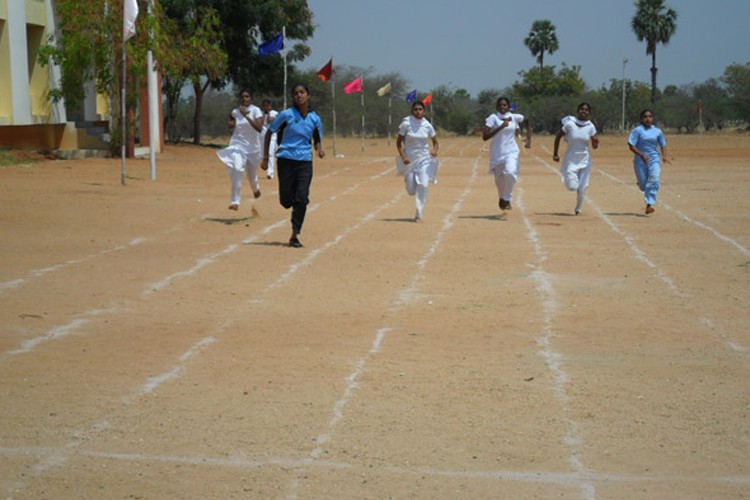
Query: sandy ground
[{"x": 156, "y": 345}]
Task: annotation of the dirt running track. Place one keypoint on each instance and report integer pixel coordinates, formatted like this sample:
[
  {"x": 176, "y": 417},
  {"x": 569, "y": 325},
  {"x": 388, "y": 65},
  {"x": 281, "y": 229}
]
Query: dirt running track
[{"x": 156, "y": 345}]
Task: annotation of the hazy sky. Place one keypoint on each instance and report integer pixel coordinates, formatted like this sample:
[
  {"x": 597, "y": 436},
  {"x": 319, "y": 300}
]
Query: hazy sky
[{"x": 478, "y": 44}]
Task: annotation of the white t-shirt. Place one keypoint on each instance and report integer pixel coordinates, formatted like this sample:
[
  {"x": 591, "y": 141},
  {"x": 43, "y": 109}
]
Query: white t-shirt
[
  {"x": 417, "y": 134},
  {"x": 577, "y": 155},
  {"x": 504, "y": 142},
  {"x": 245, "y": 137},
  {"x": 267, "y": 119}
]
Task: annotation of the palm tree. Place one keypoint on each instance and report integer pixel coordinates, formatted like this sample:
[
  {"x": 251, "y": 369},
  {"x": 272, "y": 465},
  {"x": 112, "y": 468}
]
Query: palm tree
[
  {"x": 656, "y": 24},
  {"x": 541, "y": 39}
]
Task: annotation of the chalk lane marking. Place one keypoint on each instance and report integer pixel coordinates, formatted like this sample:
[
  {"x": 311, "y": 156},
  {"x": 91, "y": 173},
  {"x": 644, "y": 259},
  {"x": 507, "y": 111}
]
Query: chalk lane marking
[
  {"x": 61, "y": 331},
  {"x": 733, "y": 344},
  {"x": 529, "y": 477},
  {"x": 58, "y": 459},
  {"x": 403, "y": 298},
  {"x": 36, "y": 273},
  {"x": 409, "y": 293},
  {"x": 293, "y": 269},
  {"x": 726, "y": 239},
  {"x": 554, "y": 359},
  {"x": 639, "y": 254},
  {"x": 212, "y": 258}
]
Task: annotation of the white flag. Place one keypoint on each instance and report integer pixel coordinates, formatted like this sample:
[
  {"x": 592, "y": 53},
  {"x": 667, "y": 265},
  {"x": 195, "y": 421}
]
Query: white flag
[
  {"x": 384, "y": 89},
  {"x": 130, "y": 13}
]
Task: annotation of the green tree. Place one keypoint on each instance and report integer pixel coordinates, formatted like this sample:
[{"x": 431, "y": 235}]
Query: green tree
[
  {"x": 193, "y": 53},
  {"x": 548, "y": 82},
  {"x": 736, "y": 78},
  {"x": 714, "y": 101},
  {"x": 247, "y": 24},
  {"x": 541, "y": 39},
  {"x": 654, "y": 23}
]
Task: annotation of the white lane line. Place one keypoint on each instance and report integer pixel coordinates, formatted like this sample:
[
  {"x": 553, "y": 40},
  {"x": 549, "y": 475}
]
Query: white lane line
[
  {"x": 351, "y": 385},
  {"x": 639, "y": 254},
  {"x": 202, "y": 262},
  {"x": 212, "y": 258},
  {"x": 726, "y": 239},
  {"x": 409, "y": 294},
  {"x": 403, "y": 297},
  {"x": 58, "y": 459},
  {"x": 154, "y": 382},
  {"x": 242, "y": 463},
  {"x": 61, "y": 331},
  {"x": 176, "y": 370},
  {"x": 36, "y": 273},
  {"x": 554, "y": 359}
]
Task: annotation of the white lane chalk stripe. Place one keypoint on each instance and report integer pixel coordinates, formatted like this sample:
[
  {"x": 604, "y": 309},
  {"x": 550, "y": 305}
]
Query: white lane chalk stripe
[
  {"x": 629, "y": 240},
  {"x": 409, "y": 294},
  {"x": 742, "y": 249},
  {"x": 62, "y": 331},
  {"x": 36, "y": 273},
  {"x": 338, "y": 407},
  {"x": 67, "y": 329},
  {"x": 554, "y": 359}
]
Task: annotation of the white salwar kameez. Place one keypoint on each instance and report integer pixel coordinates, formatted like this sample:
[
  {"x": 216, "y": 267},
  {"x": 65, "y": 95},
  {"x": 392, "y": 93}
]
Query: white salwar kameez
[
  {"x": 422, "y": 168},
  {"x": 242, "y": 156},
  {"x": 504, "y": 153},
  {"x": 576, "y": 165}
]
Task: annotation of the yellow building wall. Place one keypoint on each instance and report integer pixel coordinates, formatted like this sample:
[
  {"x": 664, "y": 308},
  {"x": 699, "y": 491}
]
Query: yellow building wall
[
  {"x": 36, "y": 22},
  {"x": 6, "y": 103},
  {"x": 35, "y": 12},
  {"x": 38, "y": 75}
]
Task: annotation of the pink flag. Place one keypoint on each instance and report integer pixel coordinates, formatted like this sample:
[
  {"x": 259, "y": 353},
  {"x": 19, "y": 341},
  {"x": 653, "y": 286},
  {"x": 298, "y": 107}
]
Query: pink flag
[
  {"x": 353, "y": 87},
  {"x": 130, "y": 13}
]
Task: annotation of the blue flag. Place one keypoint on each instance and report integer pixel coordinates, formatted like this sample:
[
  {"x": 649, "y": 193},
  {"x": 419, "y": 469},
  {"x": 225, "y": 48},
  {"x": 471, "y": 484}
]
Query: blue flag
[
  {"x": 411, "y": 96},
  {"x": 513, "y": 106},
  {"x": 272, "y": 46}
]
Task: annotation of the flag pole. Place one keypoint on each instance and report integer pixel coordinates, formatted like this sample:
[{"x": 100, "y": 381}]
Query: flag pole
[
  {"x": 333, "y": 97},
  {"x": 153, "y": 97},
  {"x": 362, "y": 100},
  {"x": 122, "y": 107},
  {"x": 389, "y": 118},
  {"x": 283, "y": 35}
]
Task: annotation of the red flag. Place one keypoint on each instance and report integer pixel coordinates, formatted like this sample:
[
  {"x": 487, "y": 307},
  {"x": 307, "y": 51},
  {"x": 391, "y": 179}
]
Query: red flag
[
  {"x": 353, "y": 87},
  {"x": 326, "y": 71},
  {"x": 427, "y": 99}
]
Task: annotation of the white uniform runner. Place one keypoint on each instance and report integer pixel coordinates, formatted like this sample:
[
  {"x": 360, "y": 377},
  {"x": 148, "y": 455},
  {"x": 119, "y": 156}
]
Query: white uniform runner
[
  {"x": 576, "y": 165},
  {"x": 504, "y": 153},
  {"x": 422, "y": 168},
  {"x": 271, "y": 172},
  {"x": 243, "y": 154}
]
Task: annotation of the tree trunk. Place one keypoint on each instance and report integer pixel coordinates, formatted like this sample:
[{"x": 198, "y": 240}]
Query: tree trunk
[
  {"x": 172, "y": 93},
  {"x": 653, "y": 77},
  {"x": 198, "y": 109}
]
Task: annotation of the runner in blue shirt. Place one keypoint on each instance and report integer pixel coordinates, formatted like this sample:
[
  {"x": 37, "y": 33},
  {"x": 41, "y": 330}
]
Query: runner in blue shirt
[
  {"x": 646, "y": 141},
  {"x": 296, "y": 127}
]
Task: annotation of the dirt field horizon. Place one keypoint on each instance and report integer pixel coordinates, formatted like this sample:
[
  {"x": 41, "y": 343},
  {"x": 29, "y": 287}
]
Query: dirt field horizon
[{"x": 157, "y": 345}]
